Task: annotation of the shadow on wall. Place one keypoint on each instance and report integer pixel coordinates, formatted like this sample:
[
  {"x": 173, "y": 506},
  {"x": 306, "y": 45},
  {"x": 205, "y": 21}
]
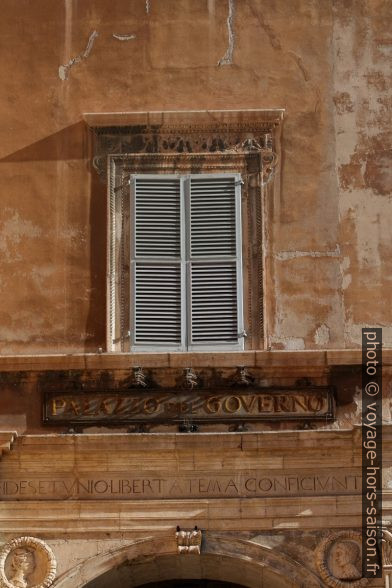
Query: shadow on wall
[
  {"x": 69, "y": 143},
  {"x": 74, "y": 143}
]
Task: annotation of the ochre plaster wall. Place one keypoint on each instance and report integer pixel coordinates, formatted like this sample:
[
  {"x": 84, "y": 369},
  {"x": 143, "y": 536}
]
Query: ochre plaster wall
[{"x": 325, "y": 62}]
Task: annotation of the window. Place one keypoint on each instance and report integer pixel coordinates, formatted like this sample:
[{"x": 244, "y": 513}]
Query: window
[
  {"x": 191, "y": 256},
  {"x": 186, "y": 262},
  {"x": 190, "y": 226}
]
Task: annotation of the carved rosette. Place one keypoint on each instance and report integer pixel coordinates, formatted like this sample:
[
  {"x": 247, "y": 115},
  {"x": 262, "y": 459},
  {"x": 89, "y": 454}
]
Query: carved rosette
[
  {"x": 339, "y": 562},
  {"x": 27, "y": 562}
]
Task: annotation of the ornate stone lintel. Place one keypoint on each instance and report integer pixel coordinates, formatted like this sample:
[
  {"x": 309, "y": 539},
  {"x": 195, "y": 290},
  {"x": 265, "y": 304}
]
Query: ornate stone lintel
[{"x": 192, "y": 133}]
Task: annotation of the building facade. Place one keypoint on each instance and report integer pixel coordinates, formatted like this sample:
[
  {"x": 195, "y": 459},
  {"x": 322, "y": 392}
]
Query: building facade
[{"x": 195, "y": 230}]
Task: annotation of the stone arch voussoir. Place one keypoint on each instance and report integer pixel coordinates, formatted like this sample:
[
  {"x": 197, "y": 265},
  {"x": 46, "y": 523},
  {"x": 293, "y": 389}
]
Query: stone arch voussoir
[{"x": 222, "y": 558}]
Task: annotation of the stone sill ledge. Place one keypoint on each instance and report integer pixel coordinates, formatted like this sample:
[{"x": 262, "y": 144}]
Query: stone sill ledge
[{"x": 257, "y": 359}]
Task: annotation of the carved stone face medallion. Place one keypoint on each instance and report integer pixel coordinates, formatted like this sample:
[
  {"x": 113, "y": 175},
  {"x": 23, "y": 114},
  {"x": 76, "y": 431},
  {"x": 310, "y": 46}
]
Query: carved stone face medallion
[
  {"x": 338, "y": 558},
  {"x": 27, "y": 562},
  {"x": 21, "y": 565}
]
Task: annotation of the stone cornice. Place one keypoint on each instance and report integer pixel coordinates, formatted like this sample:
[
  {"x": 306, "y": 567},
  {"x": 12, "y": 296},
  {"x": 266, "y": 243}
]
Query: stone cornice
[
  {"x": 77, "y": 517},
  {"x": 320, "y": 360},
  {"x": 180, "y": 117},
  {"x": 286, "y": 443},
  {"x": 309, "y": 442}
]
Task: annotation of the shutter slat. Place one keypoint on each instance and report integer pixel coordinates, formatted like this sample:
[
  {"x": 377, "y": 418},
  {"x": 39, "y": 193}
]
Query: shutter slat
[
  {"x": 214, "y": 316},
  {"x": 212, "y": 217},
  {"x": 157, "y": 304},
  {"x": 157, "y": 217}
]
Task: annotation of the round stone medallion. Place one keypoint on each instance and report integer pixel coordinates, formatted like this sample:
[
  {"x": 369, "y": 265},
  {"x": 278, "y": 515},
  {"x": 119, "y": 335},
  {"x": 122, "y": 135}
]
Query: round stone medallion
[
  {"x": 339, "y": 560},
  {"x": 27, "y": 562}
]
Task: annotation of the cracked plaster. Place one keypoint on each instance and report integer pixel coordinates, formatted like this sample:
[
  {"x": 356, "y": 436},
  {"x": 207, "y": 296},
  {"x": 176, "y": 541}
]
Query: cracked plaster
[
  {"x": 227, "y": 59},
  {"x": 64, "y": 69}
]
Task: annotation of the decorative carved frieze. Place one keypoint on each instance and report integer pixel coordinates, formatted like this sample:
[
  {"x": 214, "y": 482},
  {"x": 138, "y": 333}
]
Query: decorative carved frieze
[
  {"x": 27, "y": 562},
  {"x": 186, "y": 139}
]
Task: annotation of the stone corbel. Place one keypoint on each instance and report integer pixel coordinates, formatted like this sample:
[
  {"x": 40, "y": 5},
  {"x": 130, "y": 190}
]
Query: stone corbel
[
  {"x": 188, "y": 541},
  {"x": 7, "y": 439},
  {"x": 191, "y": 378}
]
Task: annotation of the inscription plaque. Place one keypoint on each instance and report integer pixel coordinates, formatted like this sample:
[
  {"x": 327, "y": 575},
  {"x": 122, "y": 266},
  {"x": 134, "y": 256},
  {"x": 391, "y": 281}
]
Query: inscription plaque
[
  {"x": 173, "y": 406},
  {"x": 165, "y": 485}
]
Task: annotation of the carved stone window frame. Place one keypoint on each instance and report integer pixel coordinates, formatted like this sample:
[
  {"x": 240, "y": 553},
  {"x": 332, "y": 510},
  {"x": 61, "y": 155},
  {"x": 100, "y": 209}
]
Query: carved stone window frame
[{"x": 245, "y": 142}]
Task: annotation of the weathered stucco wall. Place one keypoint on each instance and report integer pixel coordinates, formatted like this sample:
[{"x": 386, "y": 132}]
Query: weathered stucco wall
[
  {"x": 326, "y": 63},
  {"x": 363, "y": 125}
]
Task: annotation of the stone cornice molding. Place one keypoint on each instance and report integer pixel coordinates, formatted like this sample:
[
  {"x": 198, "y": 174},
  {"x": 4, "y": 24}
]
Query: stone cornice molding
[
  {"x": 310, "y": 441},
  {"x": 268, "y": 360},
  {"x": 174, "y": 118}
]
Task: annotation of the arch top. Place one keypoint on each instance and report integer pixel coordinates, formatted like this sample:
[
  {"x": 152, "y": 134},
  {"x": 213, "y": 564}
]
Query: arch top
[{"x": 150, "y": 560}]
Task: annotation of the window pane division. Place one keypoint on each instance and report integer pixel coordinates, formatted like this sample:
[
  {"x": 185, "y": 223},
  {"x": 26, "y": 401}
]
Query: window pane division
[{"x": 186, "y": 258}]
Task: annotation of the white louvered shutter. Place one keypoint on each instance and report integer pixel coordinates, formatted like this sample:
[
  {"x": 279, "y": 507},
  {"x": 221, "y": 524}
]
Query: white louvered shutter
[
  {"x": 214, "y": 245},
  {"x": 157, "y": 265},
  {"x": 186, "y": 262}
]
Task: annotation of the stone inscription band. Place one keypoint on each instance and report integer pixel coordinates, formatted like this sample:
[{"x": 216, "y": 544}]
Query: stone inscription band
[
  {"x": 165, "y": 406},
  {"x": 256, "y": 484}
]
